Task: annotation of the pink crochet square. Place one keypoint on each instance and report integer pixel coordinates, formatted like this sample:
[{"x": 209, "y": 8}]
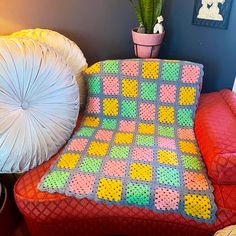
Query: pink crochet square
[
  {"x": 130, "y": 68},
  {"x": 127, "y": 126},
  {"x": 166, "y": 143},
  {"x": 114, "y": 168},
  {"x": 142, "y": 154},
  {"x": 167, "y": 93},
  {"x": 166, "y": 199},
  {"x": 195, "y": 181},
  {"x": 190, "y": 73},
  {"x": 104, "y": 135},
  {"x": 110, "y": 85},
  {"x": 82, "y": 184},
  {"x": 147, "y": 111},
  {"x": 94, "y": 105},
  {"x": 78, "y": 144},
  {"x": 187, "y": 134}
]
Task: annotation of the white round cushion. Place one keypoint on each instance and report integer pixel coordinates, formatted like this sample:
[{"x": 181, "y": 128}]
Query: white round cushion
[
  {"x": 64, "y": 46},
  {"x": 39, "y": 103}
]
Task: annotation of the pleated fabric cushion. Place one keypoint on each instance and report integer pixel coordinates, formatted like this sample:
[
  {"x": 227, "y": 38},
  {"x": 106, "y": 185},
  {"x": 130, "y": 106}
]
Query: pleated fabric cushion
[
  {"x": 66, "y": 48},
  {"x": 39, "y": 103}
]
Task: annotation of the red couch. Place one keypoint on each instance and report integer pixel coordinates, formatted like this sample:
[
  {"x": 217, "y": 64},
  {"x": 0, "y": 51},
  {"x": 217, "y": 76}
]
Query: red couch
[{"x": 55, "y": 214}]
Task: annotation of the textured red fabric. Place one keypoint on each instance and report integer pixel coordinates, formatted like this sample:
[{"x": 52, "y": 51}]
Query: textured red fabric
[
  {"x": 215, "y": 129},
  {"x": 61, "y": 215}
]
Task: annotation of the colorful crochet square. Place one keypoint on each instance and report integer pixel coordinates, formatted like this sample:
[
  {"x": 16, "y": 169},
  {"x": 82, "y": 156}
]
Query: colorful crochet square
[
  {"x": 138, "y": 194},
  {"x": 56, "y": 179},
  {"x": 110, "y": 107},
  {"x": 110, "y": 85},
  {"x": 136, "y": 145},
  {"x": 114, "y": 168},
  {"x": 150, "y": 70},
  {"x": 68, "y": 160},
  {"x": 197, "y": 206},
  {"x": 166, "y": 199},
  {"x": 119, "y": 152},
  {"x": 140, "y": 171},
  {"x": 94, "y": 85},
  {"x": 82, "y": 184},
  {"x": 109, "y": 189}
]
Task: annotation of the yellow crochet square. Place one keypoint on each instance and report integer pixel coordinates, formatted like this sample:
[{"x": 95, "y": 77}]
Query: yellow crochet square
[
  {"x": 167, "y": 157},
  {"x": 91, "y": 121},
  {"x": 187, "y": 96},
  {"x": 150, "y": 70},
  {"x": 123, "y": 138},
  {"x": 197, "y": 206},
  {"x": 98, "y": 149},
  {"x": 146, "y": 128},
  {"x": 109, "y": 189},
  {"x": 129, "y": 88},
  {"x": 141, "y": 171},
  {"x": 68, "y": 160},
  {"x": 110, "y": 106},
  {"x": 187, "y": 147},
  {"x": 94, "y": 69},
  {"x": 166, "y": 114}
]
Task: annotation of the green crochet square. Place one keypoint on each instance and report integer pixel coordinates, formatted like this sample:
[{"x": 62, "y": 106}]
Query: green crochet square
[
  {"x": 111, "y": 67},
  {"x": 170, "y": 71},
  {"x": 91, "y": 165},
  {"x": 138, "y": 194},
  {"x": 85, "y": 132},
  {"x": 185, "y": 117},
  {"x": 94, "y": 85},
  {"x": 119, "y": 152},
  {"x": 166, "y": 131},
  {"x": 56, "y": 179},
  {"x": 148, "y": 91},
  {"x": 168, "y": 176},
  {"x": 128, "y": 109},
  {"x": 190, "y": 162},
  {"x": 109, "y": 123},
  {"x": 145, "y": 140}
]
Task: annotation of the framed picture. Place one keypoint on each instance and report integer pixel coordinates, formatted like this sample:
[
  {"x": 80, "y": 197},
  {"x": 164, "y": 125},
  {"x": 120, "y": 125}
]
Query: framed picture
[{"x": 212, "y": 13}]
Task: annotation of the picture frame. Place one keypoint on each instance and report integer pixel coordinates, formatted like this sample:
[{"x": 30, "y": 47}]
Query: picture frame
[{"x": 212, "y": 13}]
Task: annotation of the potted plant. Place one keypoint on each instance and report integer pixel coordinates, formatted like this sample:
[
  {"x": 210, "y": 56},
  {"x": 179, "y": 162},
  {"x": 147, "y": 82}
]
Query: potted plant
[{"x": 149, "y": 35}]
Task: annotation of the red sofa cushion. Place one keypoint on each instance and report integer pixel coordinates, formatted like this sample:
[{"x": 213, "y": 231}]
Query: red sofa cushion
[{"x": 215, "y": 129}]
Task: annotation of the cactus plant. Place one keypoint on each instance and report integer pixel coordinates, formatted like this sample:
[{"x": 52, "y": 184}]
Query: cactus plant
[{"x": 147, "y": 12}]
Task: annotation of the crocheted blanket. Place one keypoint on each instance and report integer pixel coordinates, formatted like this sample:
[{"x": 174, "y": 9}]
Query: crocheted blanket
[{"x": 136, "y": 145}]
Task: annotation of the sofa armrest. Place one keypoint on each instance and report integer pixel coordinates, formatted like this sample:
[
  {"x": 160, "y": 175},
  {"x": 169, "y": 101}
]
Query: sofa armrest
[{"x": 215, "y": 129}]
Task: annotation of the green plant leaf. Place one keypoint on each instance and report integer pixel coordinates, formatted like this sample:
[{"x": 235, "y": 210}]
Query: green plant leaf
[{"x": 136, "y": 11}]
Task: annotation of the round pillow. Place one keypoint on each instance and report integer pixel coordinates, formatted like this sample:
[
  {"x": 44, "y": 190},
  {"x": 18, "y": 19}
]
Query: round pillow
[
  {"x": 39, "y": 103},
  {"x": 66, "y": 48}
]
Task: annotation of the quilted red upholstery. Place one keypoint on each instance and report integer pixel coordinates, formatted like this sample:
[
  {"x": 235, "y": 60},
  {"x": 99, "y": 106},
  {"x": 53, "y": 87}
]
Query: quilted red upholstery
[
  {"x": 215, "y": 129},
  {"x": 62, "y": 215}
]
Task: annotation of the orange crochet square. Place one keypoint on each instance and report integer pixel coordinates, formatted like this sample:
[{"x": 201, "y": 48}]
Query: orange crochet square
[
  {"x": 166, "y": 114},
  {"x": 146, "y": 128},
  {"x": 110, "y": 106},
  {"x": 141, "y": 171},
  {"x": 187, "y": 96},
  {"x": 129, "y": 88},
  {"x": 150, "y": 70},
  {"x": 123, "y": 138},
  {"x": 109, "y": 189},
  {"x": 68, "y": 160},
  {"x": 91, "y": 121},
  {"x": 188, "y": 147},
  {"x": 98, "y": 149},
  {"x": 167, "y": 157}
]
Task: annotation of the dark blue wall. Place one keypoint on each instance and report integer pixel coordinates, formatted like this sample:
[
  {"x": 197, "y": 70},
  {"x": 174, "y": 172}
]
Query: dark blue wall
[{"x": 214, "y": 48}]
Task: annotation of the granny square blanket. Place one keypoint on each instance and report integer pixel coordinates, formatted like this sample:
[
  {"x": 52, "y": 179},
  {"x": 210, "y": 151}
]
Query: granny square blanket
[{"x": 136, "y": 145}]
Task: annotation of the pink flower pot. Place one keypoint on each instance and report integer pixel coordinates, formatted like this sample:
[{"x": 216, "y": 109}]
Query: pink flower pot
[{"x": 147, "y": 45}]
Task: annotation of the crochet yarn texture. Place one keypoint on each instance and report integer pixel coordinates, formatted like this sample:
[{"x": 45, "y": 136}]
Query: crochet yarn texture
[{"x": 136, "y": 145}]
